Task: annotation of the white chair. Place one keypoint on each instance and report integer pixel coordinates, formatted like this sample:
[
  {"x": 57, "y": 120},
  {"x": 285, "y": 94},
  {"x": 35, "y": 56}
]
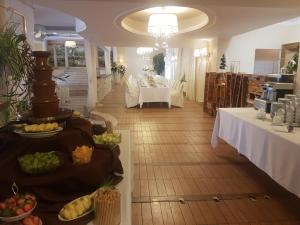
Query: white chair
[
  {"x": 177, "y": 98},
  {"x": 132, "y": 92},
  {"x": 63, "y": 93}
]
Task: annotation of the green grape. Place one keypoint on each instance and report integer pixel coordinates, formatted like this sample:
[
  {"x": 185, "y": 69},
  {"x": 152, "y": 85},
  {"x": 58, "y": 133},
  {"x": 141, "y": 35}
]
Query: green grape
[{"x": 39, "y": 162}]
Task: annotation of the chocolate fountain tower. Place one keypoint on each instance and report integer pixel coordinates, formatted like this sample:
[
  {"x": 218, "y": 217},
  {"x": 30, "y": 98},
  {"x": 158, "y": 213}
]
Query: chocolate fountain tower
[{"x": 44, "y": 101}]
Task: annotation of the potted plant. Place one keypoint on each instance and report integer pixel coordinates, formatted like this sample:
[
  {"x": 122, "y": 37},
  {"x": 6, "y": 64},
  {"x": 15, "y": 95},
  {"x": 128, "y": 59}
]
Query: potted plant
[
  {"x": 118, "y": 70},
  {"x": 16, "y": 69},
  {"x": 159, "y": 63},
  {"x": 292, "y": 65},
  {"x": 114, "y": 71},
  {"x": 222, "y": 67}
]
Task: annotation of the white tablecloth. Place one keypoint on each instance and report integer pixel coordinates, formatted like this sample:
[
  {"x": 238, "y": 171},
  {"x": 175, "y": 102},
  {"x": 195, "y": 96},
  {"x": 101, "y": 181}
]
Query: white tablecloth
[
  {"x": 125, "y": 187},
  {"x": 155, "y": 94},
  {"x": 275, "y": 152}
]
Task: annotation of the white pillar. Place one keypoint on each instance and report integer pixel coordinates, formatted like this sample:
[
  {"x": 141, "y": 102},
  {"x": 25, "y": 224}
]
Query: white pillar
[
  {"x": 298, "y": 76},
  {"x": 115, "y": 54},
  {"x": 107, "y": 60},
  {"x": 91, "y": 65}
]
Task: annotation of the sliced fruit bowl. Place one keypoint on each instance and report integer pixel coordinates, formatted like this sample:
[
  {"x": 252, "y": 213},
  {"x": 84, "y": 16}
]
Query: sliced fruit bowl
[
  {"x": 107, "y": 140},
  {"x": 76, "y": 208},
  {"x": 17, "y": 207},
  {"x": 40, "y": 162}
]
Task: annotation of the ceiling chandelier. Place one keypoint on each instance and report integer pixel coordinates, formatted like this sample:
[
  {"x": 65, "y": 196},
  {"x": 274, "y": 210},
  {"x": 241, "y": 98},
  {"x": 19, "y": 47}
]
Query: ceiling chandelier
[{"x": 162, "y": 25}]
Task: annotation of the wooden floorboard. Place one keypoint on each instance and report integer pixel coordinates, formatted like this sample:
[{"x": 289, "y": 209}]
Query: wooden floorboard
[{"x": 180, "y": 180}]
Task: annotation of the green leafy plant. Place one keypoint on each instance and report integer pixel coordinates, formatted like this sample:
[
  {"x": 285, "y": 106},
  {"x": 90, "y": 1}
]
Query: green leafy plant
[
  {"x": 222, "y": 62},
  {"x": 292, "y": 65},
  {"x": 118, "y": 68},
  {"x": 159, "y": 63},
  {"x": 114, "y": 67},
  {"x": 16, "y": 68},
  {"x": 121, "y": 70}
]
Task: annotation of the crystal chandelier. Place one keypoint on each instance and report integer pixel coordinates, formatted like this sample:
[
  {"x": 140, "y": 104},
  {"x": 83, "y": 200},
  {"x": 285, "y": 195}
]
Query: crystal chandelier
[{"x": 162, "y": 25}]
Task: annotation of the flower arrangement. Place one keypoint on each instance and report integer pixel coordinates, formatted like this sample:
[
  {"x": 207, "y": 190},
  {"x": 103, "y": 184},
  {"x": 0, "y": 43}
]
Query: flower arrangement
[
  {"x": 148, "y": 68},
  {"x": 121, "y": 70},
  {"x": 118, "y": 68}
]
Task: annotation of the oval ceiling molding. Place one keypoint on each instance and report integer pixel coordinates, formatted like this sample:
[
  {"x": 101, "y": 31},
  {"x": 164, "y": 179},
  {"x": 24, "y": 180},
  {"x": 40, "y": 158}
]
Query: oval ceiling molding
[{"x": 189, "y": 19}]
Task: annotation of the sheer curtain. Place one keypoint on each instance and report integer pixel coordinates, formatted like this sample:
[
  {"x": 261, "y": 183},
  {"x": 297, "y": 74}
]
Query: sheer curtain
[
  {"x": 193, "y": 71},
  {"x": 201, "y": 63},
  {"x": 170, "y": 63},
  {"x": 186, "y": 70}
]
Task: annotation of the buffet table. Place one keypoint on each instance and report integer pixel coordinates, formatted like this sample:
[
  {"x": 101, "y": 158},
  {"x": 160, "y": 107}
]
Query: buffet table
[
  {"x": 272, "y": 149},
  {"x": 54, "y": 189}
]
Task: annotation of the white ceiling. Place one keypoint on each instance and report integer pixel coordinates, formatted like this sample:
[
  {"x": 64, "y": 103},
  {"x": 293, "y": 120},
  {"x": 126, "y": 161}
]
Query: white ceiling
[
  {"x": 227, "y": 18},
  {"x": 49, "y": 17}
]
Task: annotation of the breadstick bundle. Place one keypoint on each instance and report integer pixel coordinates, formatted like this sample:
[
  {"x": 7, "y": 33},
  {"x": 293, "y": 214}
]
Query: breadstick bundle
[{"x": 107, "y": 207}]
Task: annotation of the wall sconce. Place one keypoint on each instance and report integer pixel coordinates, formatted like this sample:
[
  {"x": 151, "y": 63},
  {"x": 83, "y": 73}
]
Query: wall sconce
[
  {"x": 121, "y": 60},
  {"x": 203, "y": 52},
  {"x": 70, "y": 44}
]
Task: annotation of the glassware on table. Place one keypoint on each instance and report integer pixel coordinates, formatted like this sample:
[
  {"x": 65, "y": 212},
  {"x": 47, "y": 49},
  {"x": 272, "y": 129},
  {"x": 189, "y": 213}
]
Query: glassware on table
[
  {"x": 290, "y": 112},
  {"x": 275, "y": 106},
  {"x": 279, "y": 117},
  {"x": 261, "y": 114}
]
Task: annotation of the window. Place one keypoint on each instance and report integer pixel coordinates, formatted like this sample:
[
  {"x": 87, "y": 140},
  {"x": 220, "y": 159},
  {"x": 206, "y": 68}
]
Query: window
[
  {"x": 101, "y": 58},
  {"x": 76, "y": 56},
  {"x": 60, "y": 55}
]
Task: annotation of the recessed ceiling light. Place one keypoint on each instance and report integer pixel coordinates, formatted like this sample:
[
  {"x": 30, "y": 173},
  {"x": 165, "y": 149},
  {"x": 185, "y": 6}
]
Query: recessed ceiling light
[{"x": 166, "y": 9}]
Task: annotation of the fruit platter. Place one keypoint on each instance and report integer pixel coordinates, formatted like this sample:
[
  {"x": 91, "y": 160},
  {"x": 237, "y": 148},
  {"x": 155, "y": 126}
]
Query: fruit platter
[
  {"x": 39, "y": 162},
  {"x": 17, "y": 207},
  {"x": 107, "y": 140},
  {"x": 31, "y": 220},
  {"x": 38, "y": 130},
  {"x": 77, "y": 208}
]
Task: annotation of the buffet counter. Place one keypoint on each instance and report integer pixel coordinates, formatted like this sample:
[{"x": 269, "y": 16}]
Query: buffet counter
[
  {"x": 68, "y": 182},
  {"x": 272, "y": 149}
]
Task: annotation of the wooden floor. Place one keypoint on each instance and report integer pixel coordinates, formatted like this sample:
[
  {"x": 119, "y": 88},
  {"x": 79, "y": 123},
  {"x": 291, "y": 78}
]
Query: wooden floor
[{"x": 180, "y": 180}]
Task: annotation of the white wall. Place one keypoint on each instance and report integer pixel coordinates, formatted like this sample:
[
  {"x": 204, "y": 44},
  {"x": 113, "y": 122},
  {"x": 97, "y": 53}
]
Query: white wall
[
  {"x": 242, "y": 47},
  {"x": 27, "y": 12}
]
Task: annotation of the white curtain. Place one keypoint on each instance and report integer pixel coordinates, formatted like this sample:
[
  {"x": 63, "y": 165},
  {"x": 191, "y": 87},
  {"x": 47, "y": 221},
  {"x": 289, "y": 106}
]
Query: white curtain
[
  {"x": 91, "y": 65},
  {"x": 186, "y": 69},
  {"x": 201, "y": 64},
  {"x": 170, "y": 63},
  {"x": 193, "y": 71}
]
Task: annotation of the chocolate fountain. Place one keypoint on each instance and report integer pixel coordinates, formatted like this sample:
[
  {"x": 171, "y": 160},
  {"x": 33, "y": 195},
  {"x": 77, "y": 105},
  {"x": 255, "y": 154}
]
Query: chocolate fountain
[{"x": 44, "y": 101}]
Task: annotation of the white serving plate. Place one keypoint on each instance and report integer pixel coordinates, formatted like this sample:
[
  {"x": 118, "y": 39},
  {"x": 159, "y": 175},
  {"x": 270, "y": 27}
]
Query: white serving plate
[
  {"x": 38, "y": 134},
  {"x": 82, "y": 215},
  {"x": 17, "y": 218}
]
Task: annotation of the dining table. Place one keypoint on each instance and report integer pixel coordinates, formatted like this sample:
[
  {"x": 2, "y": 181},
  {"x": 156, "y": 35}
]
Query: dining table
[
  {"x": 270, "y": 147},
  {"x": 154, "y": 90}
]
